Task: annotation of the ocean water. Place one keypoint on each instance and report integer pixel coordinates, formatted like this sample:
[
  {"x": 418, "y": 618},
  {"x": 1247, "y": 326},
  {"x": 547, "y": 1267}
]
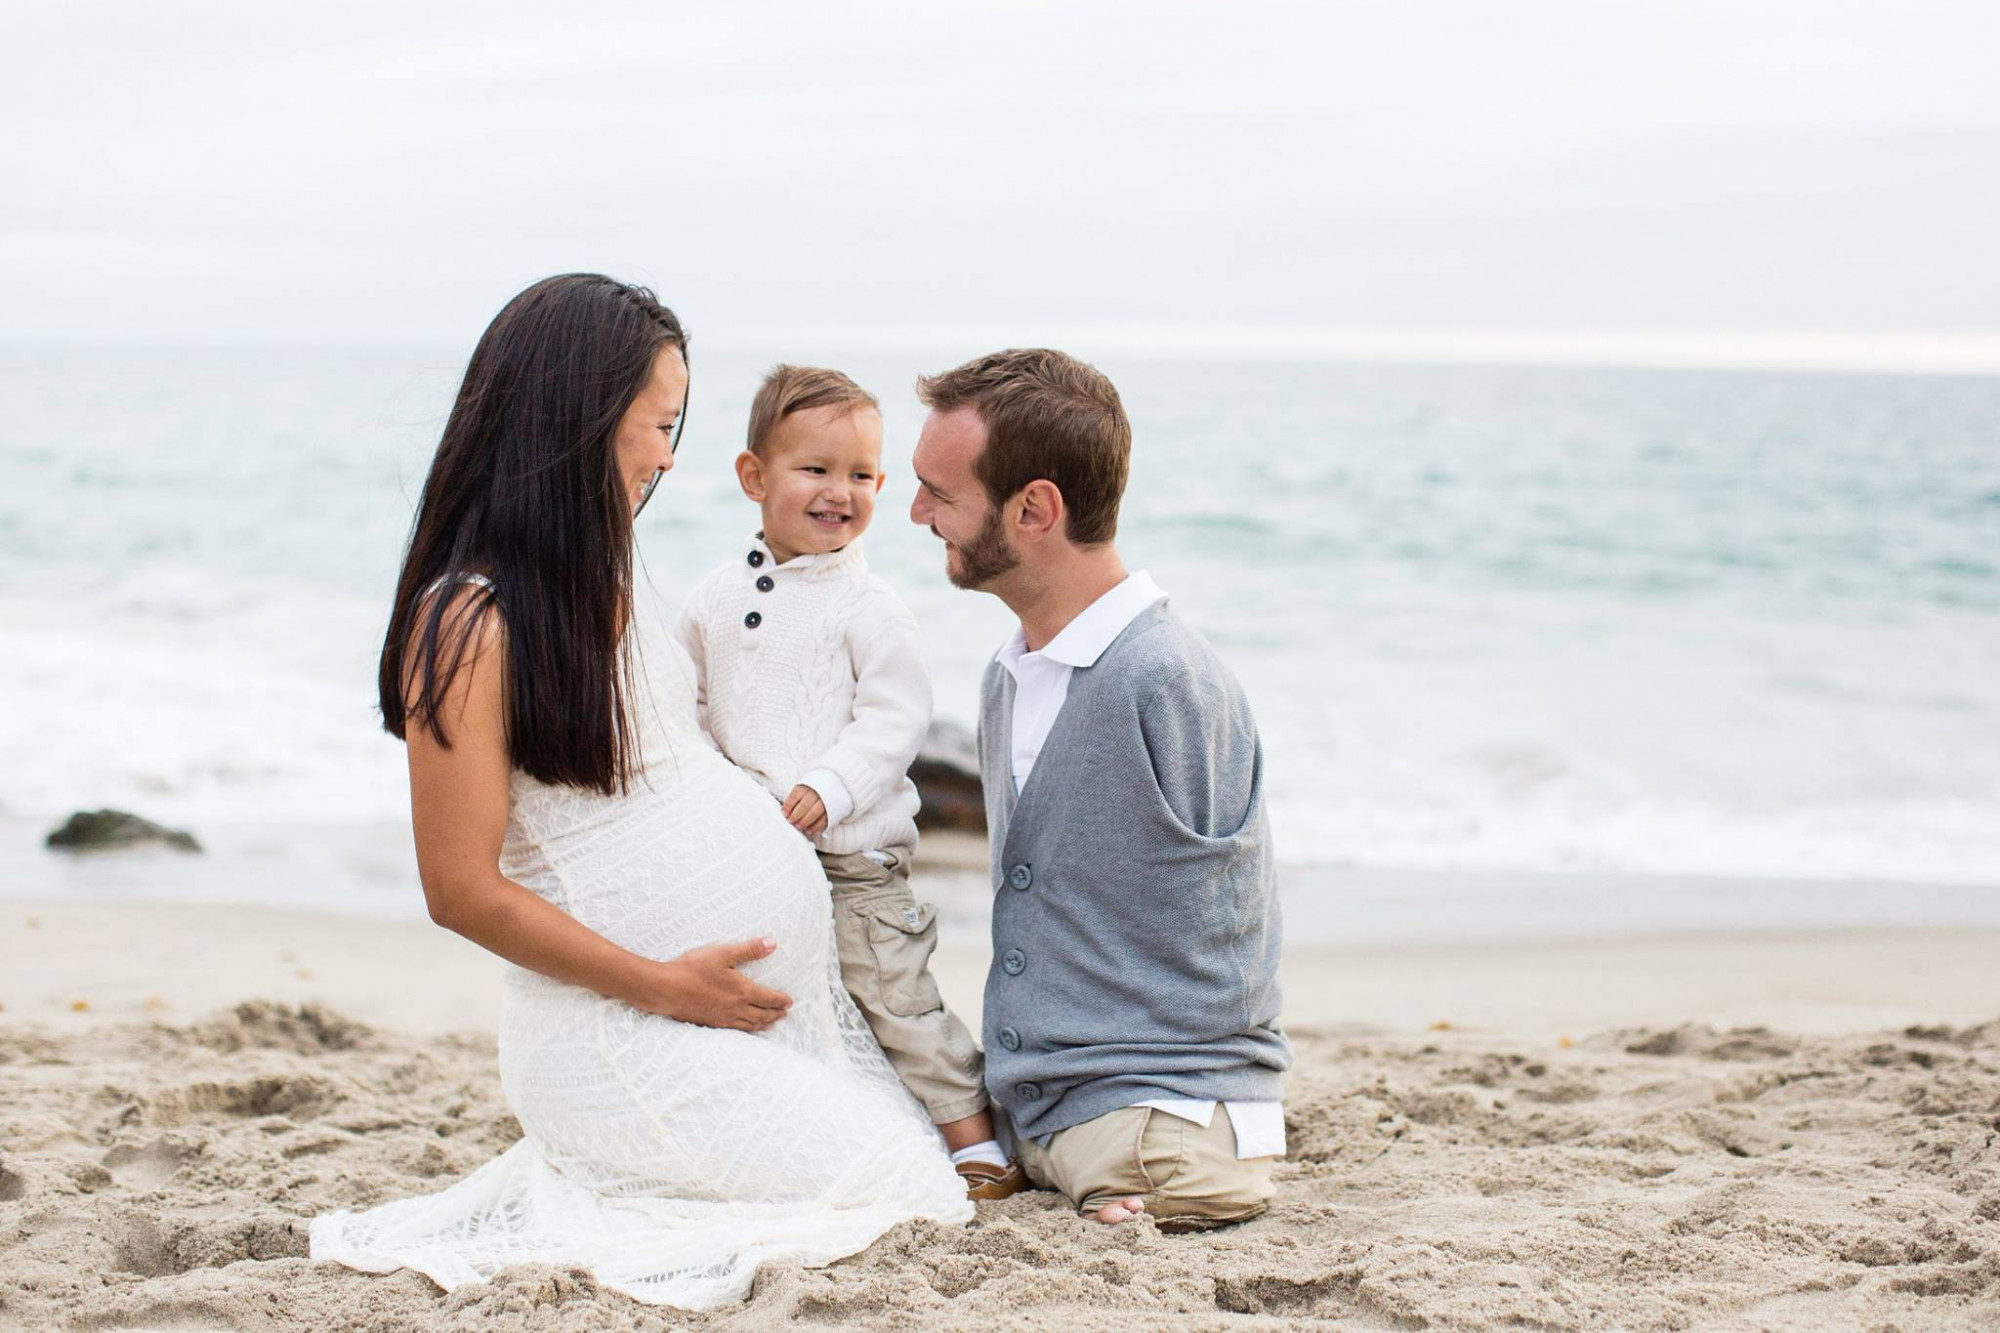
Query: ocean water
[{"x": 1521, "y": 620}]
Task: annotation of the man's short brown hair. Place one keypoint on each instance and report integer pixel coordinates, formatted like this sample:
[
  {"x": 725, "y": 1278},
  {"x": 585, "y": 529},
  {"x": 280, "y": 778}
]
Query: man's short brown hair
[
  {"x": 1049, "y": 417},
  {"x": 788, "y": 389}
]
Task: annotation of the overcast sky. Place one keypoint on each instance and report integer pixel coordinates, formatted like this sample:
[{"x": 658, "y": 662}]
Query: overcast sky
[{"x": 391, "y": 172}]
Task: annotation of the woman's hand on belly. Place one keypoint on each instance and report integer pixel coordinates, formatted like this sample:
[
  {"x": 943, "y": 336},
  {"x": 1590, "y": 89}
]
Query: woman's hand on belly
[{"x": 703, "y": 986}]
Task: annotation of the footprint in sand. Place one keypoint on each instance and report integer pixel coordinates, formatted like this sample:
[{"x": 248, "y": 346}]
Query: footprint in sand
[{"x": 147, "y": 1165}]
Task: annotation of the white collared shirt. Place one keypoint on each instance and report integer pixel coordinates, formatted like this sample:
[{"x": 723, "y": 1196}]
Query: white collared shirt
[{"x": 1041, "y": 684}]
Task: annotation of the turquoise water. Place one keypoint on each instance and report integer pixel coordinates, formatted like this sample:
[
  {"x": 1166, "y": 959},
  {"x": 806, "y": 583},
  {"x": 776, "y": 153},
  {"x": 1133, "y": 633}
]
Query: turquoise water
[{"x": 1491, "y": 619}]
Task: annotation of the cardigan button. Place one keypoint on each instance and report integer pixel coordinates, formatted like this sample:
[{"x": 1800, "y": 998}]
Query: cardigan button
[
  {"x": 1013, "y": 962},
  {"x": 1020, "y": 877},
  {"x": 1010, "y": 1039},
  {"x": 753, "y": 620},
  {"x": 765, "y": 583},
  {"x": 1030, "y": 1092},
  {"x": 756, "y": 558}
]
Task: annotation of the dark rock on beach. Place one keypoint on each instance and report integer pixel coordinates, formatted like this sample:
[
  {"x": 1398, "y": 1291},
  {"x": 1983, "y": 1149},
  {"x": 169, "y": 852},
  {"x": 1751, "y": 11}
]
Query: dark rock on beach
[
  {"x": 947, "y": 778},
  {"x": 110, "y": 830}
]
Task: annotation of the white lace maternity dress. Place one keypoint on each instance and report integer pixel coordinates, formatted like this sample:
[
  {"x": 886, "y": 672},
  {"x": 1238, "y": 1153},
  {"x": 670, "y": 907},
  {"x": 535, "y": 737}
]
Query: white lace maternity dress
[{"x": 673, "y": 1159}]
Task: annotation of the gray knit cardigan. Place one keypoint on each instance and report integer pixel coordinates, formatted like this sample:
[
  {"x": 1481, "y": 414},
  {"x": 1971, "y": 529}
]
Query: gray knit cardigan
[{"x": 1135, "y": 912}]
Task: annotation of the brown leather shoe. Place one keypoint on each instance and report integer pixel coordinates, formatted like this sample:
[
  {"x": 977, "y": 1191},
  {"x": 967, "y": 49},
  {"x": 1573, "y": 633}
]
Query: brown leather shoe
[{"x": 983, "y": 1180}]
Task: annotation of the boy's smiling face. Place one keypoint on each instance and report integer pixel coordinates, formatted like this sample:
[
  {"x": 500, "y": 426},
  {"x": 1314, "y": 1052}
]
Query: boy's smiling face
[{"x": 816, "y": 479}]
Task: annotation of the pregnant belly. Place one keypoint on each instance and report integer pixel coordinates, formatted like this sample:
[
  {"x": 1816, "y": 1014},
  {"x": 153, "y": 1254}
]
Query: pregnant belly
[
  {"x": 701, "y": 857},
  {"x": 705, "y": 859}
]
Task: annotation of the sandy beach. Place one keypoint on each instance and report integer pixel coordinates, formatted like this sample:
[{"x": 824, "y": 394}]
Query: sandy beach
[{"x": 1729, "y": 1131}]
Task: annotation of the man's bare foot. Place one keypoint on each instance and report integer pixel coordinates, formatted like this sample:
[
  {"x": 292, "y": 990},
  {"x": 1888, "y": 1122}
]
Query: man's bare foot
[{"x": 1118, "y": 1210}]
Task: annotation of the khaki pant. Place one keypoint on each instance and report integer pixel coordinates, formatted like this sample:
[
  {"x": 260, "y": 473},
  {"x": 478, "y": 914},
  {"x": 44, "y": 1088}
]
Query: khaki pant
[
  {"x": 1190, "y": 1177},
  {"x": 885, "y": 941}
]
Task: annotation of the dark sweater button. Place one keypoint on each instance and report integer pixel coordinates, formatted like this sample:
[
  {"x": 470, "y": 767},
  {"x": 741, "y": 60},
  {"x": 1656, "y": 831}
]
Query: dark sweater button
[
  {"x": 765, "y": 583},
  {"x": 756, "y": 558},
  {"x": 1012, "y": 962},
  {"x": 1010, "y": 1039},
  {"x": 1030, "y": 1092},
  {"x": 1020, "y": 877},
  {"x": 753, "y": 620}
]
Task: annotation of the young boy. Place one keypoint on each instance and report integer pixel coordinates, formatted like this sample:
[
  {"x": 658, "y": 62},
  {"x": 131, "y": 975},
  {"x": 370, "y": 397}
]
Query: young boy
[{"x": 812, "y": 680}]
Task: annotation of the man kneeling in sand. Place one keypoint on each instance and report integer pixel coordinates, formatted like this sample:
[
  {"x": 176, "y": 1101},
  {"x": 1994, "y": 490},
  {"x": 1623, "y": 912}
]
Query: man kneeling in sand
[{"x": 1135, "y": 917}]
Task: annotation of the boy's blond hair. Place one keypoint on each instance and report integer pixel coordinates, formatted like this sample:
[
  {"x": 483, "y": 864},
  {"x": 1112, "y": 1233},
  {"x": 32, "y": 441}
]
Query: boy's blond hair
[{"x": 788, "y": 389}]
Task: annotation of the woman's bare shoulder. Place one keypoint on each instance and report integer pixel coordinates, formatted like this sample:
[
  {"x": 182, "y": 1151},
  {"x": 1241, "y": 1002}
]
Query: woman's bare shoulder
[{"x": 470, "y": 646}]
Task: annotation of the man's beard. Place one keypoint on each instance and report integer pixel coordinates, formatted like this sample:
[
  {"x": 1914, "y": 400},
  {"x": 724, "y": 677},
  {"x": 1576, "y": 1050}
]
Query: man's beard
[{"x": 985, "y": 558}]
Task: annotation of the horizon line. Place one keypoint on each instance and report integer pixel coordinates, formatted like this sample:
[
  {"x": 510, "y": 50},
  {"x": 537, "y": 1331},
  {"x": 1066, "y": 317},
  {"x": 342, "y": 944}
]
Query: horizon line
[
  {"x": 1881, "y": 352},
  {"x": 1906, "y": 352}
]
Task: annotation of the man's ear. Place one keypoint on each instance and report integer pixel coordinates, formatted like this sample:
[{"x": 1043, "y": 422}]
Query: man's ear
[
  {"x": 1041, "y": 510},
  {"x": 750, "y": 475}
]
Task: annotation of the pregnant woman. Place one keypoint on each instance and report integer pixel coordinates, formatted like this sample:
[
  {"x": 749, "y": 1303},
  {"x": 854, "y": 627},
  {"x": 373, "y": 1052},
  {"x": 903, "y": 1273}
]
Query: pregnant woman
[{"x": 696, "y": 1092}]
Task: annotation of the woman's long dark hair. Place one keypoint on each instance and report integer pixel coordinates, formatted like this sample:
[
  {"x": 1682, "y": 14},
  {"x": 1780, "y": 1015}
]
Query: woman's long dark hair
[{"x": 525, "y": 490}]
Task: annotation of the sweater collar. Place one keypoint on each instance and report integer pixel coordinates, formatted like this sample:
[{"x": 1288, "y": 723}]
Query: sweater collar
[{"x": 759, "y": 559}]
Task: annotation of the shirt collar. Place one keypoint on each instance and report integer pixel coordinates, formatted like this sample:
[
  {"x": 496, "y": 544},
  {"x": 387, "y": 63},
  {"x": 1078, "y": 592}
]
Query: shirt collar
[
  {"x": 810, "y": 564},
  {"x": 1085, "y": 638}
]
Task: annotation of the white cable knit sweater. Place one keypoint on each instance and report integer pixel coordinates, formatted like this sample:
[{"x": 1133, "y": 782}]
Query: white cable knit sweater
[{"x": 813, "y": 672}]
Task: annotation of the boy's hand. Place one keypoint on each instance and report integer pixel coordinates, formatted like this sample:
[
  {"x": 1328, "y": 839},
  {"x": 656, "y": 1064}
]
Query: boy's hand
[{"x": 805, "y": 811}]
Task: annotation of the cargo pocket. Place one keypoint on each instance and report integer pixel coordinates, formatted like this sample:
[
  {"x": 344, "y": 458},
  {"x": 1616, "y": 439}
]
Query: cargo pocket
[{"x": 902, "y": 939}]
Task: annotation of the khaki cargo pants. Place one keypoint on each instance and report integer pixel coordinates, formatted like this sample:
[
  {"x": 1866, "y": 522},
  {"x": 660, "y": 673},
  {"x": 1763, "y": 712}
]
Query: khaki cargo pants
[
  {"x": 885, "y": 941},
  {"x": 1190, "y": 1177}
]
